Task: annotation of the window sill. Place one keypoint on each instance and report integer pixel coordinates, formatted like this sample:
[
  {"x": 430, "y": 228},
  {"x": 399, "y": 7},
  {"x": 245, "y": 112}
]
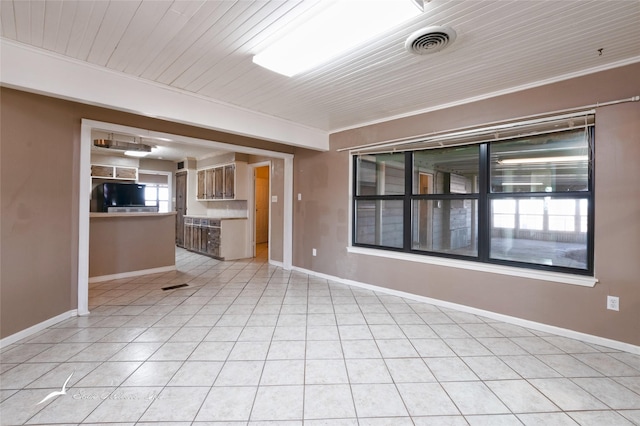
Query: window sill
[{"x": 580, "y": 280}]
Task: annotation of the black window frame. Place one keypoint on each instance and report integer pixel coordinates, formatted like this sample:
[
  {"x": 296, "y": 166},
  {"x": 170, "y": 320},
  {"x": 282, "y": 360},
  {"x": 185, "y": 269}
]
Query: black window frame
[{"x": 484, "y": 197}]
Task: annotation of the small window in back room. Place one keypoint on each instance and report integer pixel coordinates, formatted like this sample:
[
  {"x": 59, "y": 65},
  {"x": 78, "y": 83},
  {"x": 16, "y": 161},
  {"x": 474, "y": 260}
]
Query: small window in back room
[
  {"x": 157, "y": 195},
  {"x": 156, "y": 190}
]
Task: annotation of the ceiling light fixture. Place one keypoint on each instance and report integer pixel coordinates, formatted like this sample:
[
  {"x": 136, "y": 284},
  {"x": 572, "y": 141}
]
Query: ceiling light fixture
[
  {"x": 136, "y": 153},
  {"x": 112, "y": 143},
  {"x": 334, "y": 30},
  {"x": 538, "y": 160}
]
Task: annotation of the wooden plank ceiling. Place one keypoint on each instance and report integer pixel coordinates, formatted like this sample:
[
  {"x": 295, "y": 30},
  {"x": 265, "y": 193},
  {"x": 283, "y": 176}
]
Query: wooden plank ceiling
[{"x": 206, "y": 48}]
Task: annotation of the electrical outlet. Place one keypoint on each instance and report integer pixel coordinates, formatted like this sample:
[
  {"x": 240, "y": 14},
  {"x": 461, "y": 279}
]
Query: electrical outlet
[
  {"x": 613, "y": 303},
  {"x": 314, "y": 252},
  {"x": 299, "y": 196}
]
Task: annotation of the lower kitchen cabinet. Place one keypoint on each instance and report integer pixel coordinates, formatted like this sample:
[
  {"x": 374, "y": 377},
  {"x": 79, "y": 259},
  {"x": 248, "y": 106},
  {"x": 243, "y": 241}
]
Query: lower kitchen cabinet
[
  {"x": 223, "y": 239},
  {"x": 213, "y": 242}
]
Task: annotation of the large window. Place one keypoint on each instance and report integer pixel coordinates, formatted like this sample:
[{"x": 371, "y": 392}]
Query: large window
[{"x": 522, "y": 201}]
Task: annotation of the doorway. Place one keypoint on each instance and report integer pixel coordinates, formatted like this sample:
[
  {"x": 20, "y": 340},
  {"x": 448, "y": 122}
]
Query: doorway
[
  {"x": 261, "y": 217},
  {"x": 84, "y": 185}
]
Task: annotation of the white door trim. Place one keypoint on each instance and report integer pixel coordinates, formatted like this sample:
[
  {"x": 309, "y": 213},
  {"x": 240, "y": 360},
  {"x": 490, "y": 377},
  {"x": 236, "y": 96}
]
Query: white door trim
[{"x": 83, "y": 218}]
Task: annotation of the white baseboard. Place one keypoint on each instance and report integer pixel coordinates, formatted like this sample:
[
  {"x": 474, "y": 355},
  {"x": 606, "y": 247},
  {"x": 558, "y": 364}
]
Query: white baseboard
[
  {"x": 588, "y": 338},
  {"x": 36, "y": 328},
  {"x": 276, "y": 263},
  {"x": 131, "y": 274}
]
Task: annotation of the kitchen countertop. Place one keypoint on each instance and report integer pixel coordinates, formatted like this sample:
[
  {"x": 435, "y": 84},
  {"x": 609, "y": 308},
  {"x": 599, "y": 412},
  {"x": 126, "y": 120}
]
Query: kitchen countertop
[
  {"x": 132, "y": 214},
  {"x": 195, "y": 216}
]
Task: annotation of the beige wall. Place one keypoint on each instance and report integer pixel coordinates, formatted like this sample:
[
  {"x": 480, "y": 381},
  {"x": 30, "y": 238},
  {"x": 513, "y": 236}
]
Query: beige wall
[
  {"x": 217, "y": 160},
  {"x": 119, "y": 244},
  {"x": 321, "y": 219},
  {"x": 39, "y": 186},
  {"x": 39, "y": 189},
  {"x": 114, "y": 160}
]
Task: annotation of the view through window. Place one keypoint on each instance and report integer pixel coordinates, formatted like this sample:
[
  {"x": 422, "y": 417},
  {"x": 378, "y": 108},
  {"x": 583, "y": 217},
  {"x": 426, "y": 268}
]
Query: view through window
[
  {"x": 157, "y": 195},
  {"x": 523, "y": 201}
]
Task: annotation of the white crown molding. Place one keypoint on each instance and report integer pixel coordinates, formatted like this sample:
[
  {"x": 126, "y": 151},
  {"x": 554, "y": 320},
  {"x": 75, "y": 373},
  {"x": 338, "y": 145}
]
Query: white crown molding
[{"x": 39, "y": 71}]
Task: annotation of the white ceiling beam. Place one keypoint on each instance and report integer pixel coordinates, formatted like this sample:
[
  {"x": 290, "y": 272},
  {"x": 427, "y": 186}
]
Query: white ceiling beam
[{"x": 35, "y": 70}]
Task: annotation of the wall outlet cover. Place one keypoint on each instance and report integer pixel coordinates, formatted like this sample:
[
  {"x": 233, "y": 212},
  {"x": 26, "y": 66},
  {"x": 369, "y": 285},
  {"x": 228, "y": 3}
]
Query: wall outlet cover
[{"x": 613, "y": 303}]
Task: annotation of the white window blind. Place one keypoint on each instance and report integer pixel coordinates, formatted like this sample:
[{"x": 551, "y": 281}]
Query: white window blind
[{"x": 503, "y": 131}]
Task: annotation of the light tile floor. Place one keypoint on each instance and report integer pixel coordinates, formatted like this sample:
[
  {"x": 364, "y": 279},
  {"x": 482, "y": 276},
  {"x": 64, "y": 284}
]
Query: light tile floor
[{"x": 247, "y": 343}]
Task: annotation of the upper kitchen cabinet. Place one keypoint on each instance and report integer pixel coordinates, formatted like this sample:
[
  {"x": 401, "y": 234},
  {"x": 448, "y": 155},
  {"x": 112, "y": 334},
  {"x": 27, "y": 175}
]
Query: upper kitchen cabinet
[
  {"x": 114, "y": 172},
  {"x": 218, "y": 184},
  {"x": 130, "y": 173},
  {"x": 209, "y": 183},
  {"x": 230, "y": 181},
  {"x": 223, "y": 182}
]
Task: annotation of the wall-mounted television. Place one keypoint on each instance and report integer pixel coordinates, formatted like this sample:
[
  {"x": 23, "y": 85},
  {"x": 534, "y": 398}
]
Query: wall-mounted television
[{"x": 115, "y": 194}]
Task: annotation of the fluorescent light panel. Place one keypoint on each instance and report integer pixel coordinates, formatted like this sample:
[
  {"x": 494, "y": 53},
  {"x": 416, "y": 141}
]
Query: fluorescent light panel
[
  {"x": 136, "y": 153},
  {"x": 565, "y": 159},
  {"x": 334, "y": 30}
]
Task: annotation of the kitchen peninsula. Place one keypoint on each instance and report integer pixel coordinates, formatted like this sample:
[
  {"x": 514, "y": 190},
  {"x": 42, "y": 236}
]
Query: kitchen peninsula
[{"x": 130, "y": 244}]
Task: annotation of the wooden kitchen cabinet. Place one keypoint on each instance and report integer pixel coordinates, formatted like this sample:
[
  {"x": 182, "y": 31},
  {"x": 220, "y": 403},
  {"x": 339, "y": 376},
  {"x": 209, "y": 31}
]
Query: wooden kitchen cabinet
[
  {"x": 213, "y": 242},
  {"x": 114, "y": 172},
  {"x": 223, "y": 239},
  {"x": 101, "y": 171},
  {"x": 201, "y": 192},
  {"x": 219, "y": 183},
  {"x": 229, "y": 182},
  {"x": 130, "y": 173},
  {"x": 226, "y": 182},
  {"x": 209, "y": 183}
]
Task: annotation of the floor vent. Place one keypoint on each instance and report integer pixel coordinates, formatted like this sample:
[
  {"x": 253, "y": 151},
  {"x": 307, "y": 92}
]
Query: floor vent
[{"x": 173, "y": 287}]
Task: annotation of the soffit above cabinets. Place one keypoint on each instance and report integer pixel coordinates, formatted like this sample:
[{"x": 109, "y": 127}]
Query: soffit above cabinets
[{"x": 205, "y": 48}]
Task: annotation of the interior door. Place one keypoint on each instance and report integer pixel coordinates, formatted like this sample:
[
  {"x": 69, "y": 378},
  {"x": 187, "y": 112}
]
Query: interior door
[
  {"x": 262, "y": 204},
  {"x": 181, "y": 206}
]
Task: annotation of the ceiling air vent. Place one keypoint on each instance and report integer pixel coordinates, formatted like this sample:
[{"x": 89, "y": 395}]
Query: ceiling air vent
[{"x": 430, "y": 40}]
